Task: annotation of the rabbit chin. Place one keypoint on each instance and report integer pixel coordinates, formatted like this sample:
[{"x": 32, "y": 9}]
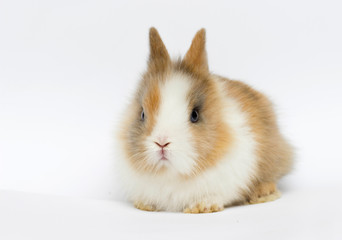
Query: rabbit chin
[{"x": 173, "y": 165}]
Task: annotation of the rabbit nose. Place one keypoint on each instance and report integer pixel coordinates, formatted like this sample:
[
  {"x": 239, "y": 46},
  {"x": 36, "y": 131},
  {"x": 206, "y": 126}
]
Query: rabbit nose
[{"x": 162, "y": 145}]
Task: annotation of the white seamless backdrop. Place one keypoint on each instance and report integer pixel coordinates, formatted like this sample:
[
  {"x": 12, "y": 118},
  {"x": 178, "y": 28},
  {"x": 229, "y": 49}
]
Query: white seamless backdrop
[{"x": 68, "y": 67}]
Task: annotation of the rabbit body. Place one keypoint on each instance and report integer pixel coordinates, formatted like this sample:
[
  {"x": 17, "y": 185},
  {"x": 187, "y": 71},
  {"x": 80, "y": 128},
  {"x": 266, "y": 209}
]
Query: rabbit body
[{"x": 196, "y": 142}]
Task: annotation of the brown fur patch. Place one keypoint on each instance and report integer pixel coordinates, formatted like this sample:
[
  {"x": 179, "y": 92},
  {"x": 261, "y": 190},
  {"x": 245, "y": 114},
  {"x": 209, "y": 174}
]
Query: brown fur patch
[
  {"x": 275, "y": 155},
  {"x": 134, "y": 131},
  {"x": 211, "y": 133},
  {"x": 159, "y": 59},
  {"x": 196, "y": 57},
  {"x": 150, "y": 103}
]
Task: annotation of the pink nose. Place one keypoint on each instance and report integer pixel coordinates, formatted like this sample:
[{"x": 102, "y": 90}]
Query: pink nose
[{"x": 162, "y": 146}]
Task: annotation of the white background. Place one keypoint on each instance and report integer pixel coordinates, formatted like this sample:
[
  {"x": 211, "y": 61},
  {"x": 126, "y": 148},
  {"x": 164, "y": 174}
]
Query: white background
[{"x": 68, "y": 68}]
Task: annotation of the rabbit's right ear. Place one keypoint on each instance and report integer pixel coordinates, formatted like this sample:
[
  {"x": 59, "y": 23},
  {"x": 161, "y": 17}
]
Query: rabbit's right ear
[{"x": 159, "y": 59}]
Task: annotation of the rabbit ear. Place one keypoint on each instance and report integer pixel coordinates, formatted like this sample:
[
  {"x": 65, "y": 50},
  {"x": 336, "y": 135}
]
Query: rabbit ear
[
  {"x": 196, "y": 57},
  {"x": 159, "y": 59}
]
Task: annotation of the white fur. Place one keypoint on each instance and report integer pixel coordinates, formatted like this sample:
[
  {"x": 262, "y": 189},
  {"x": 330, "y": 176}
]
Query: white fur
[
  {"x": 219, "y": 185},
  {"x": 172, "y": 126}
]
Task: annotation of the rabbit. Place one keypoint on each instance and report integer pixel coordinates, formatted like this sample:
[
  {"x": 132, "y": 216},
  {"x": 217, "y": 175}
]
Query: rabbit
[{"x": 196, "y": 142}]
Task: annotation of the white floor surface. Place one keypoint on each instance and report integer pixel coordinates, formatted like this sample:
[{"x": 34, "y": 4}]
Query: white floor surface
[{"x": 299, "y": 214}]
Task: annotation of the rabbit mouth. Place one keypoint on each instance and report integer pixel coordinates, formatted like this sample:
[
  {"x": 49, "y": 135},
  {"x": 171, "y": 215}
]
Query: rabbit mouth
[{"x": 163, "y": 156}]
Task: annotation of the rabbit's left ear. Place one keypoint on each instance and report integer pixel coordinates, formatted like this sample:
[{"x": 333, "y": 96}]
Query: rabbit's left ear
[
  {"x": 159, "y": 59},
  {"x": 196, "y": 57}
]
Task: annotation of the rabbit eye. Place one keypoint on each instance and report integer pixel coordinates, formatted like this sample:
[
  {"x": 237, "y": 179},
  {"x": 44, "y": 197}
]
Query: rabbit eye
[
  {"x": 194, "y": 116},
  {"x": 142, "y": 115}
]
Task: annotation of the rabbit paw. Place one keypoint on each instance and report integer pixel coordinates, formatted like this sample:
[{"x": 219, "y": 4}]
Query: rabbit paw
[
  {"x": 265, "y": 192},
  {"x": 141, "y": 206},
  {"x": 203, "y": 208}
]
